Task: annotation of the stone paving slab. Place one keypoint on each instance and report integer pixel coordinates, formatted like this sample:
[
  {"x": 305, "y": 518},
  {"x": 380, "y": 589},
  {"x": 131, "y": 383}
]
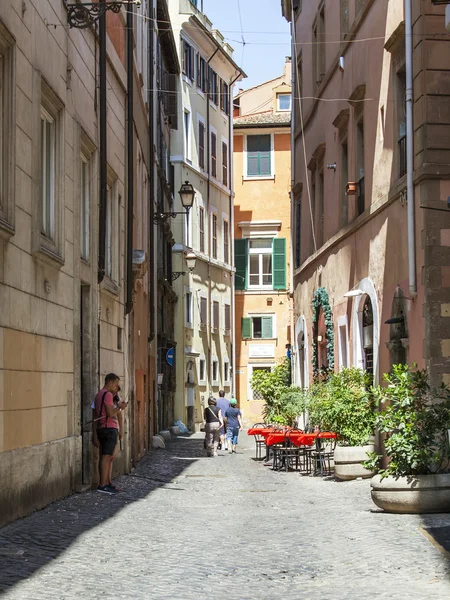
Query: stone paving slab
[{"x": 186, "y": 526}]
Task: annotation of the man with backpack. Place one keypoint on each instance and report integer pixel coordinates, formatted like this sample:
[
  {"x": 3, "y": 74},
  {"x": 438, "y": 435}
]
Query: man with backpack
[{"x": 106, "y": 429}]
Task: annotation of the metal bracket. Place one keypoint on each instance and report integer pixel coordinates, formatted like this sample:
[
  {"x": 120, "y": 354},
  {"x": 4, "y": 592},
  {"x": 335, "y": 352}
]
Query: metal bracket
[
  {"x": 84, "y": 15},
  {"x": 163, "y": 217}
]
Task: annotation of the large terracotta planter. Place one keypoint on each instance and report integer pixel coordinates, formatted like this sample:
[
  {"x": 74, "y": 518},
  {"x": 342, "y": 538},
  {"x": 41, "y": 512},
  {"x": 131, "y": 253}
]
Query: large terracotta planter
[
  {"x": 348, "y": 462},
  {"x": 419, "y": 494}
]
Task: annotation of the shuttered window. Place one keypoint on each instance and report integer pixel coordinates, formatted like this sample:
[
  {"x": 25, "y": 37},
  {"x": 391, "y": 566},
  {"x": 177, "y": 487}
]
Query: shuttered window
[
  {"x": 213, "y": 155},
  {"x": 241, "y": 260},
  {"x": 215, "y": 313},
  {"x": 201, "y": 145},
  {"x": 203, "y": 311},
  {"x": 279, "y": 264},
  {"x": 224, "y": 164},
  {"x": 227, "y": 317},
  {"x": 257, "y": 327},
  {"x": 201, "y": 228},
  {"x": 258, "y": 155}
]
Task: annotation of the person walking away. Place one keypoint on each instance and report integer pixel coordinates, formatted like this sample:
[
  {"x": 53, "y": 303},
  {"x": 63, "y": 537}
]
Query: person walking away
[
  {"x": 223, "y": 403},
  {"x": 213, "y": 423},
  {"x": 233, "y": 419},
  {"x": 107, "y": 420}
]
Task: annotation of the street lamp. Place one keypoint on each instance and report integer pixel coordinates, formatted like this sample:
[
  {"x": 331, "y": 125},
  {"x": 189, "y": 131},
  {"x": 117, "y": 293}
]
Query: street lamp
[
  {"x": 187, "y": 195},
  {"x": 191, "y": 260}
]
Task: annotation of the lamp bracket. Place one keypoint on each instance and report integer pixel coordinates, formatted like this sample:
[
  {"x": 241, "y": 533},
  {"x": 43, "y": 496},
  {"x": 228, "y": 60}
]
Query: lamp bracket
[
  {"x": 84, "y": 15},
  {"x": 163, "y": 217}
]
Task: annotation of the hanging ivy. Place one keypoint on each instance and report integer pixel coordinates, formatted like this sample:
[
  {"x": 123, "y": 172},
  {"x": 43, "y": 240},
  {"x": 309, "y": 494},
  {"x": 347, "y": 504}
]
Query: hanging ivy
[{"x": 321, "y": 301}]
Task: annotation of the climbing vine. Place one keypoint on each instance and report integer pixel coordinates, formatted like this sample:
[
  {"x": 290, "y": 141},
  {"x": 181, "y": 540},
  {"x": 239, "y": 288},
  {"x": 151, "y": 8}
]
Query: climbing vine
[{"x": 321, "y": 301}]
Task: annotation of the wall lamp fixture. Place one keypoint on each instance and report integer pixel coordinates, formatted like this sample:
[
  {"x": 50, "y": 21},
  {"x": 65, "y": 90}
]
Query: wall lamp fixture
[
  {"x": 84, "y": 15},
  {"x": 187, "y": 195}
]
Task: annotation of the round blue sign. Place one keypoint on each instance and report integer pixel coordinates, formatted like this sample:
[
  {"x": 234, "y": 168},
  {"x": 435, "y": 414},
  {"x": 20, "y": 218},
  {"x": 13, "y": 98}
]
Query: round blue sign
[{"x": 170, "y": 356}]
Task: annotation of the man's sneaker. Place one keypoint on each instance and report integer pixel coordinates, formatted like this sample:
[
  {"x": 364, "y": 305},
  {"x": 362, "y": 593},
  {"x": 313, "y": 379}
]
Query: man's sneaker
[
  {"x": 106, "y": 489},
  {"x": 116, "y": 489}
]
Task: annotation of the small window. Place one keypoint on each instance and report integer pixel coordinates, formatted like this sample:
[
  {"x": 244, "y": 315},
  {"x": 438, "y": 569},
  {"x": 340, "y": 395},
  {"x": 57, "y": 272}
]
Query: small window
[
  {"x": 85, "y": 208},
  {"x": 258, "y": 395},
  {"x": 215, "y": 371},
  {"x": 227, "y": 317},
  {"x": 283, "y": 102},
  {"x": 201, "y": 145},
  {"x": 187, "y": 135},
  {"x": 203, "y": 311},
  {"x": 202, "y": 370},
  {"x": 260, "y": 262},
  {"x": 226, "y": 371},
  {"x": 213, "y": 154},
  {"x": 257, "y": 327},
  {"x": 119, "y": 338},
  {"x": 7, "y": 129},
  {"x": 188, "y": 60},
  {"x": 226, "y": 242},
  {"x": 188, "y": 309},
  {"x": 48, "y": 174},
  {"x": 201, "y": 228},
  {"x": 214, "y": 234},
  {"x": 258, "y": 155},
  {"x": 215, "y": 314},
  {"x": 224, "y": 164}
]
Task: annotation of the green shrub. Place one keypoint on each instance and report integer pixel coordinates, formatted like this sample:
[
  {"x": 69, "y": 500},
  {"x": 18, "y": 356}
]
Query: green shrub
[{"x": 415, "y": 419}]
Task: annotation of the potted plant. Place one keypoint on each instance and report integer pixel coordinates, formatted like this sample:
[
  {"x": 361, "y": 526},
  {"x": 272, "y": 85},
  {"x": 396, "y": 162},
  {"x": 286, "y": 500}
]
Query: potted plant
[
  {"x": 344, "y": 404},
  {"x": 415, "y": 419}
]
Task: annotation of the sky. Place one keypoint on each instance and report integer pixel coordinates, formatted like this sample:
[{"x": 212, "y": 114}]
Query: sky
[{"x": 264, "y": 30}]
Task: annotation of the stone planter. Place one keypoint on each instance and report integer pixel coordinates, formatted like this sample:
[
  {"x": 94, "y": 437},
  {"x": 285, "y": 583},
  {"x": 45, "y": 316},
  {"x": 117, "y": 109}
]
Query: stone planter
[
  {"x": 348, "y": 462},
  {"x": 419, "y": 494}
]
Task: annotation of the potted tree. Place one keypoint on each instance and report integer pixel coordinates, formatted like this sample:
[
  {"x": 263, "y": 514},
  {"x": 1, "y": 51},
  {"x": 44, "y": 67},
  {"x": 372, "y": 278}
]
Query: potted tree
[
  {"x": 344, "y": 404},
  {"x": 415, "y": 420}
]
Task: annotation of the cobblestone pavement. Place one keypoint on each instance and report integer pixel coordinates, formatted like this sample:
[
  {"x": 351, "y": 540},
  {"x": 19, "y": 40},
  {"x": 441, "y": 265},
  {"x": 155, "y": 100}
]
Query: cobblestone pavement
[{"x": 188, "y": 527}]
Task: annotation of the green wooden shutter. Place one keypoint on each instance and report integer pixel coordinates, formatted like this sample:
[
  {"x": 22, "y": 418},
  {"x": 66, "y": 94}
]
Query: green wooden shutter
[
  {"x": 266, "y": 327},
  {"x": 241, "y": 264},
  {"x": 246, "y": 327},
  {"x": 279, "y": 263}
]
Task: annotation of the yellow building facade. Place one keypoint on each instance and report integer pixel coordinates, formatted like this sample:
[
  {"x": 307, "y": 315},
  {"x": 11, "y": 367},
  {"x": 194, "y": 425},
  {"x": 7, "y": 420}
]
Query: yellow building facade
[{"x": 262, "y": 217}]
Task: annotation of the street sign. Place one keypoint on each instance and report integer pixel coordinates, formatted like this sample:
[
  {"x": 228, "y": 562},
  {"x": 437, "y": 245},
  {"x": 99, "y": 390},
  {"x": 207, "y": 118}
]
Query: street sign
[{"x": 170, "y": 356}]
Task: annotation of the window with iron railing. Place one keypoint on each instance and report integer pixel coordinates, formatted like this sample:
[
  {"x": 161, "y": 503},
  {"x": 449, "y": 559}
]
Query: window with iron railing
[{"x": 402, "y": 156}]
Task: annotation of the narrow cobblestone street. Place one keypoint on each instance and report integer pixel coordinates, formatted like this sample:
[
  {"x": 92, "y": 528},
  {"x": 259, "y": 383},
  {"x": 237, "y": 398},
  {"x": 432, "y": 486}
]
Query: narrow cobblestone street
[{"x": 185, "y": 526}]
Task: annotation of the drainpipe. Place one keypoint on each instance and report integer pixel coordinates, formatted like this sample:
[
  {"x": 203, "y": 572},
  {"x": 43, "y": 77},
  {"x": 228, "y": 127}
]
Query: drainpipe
[
  {"x": 409, "y": 150},
  {"x": 151, "y": 183},
  {"x": 292, "y": 341},
  {"x": 130, "y": 160},
  {"x": 102, "y": 148},
  {"x": 231, "y": 231},
  {"x": 208, "y": 191}
]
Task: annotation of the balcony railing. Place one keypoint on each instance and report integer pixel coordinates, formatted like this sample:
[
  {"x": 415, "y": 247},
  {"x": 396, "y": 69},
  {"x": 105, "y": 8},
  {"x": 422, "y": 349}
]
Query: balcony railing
[
  {"x": 360, "y": 196},
  {"x": 402, "y": 156}
]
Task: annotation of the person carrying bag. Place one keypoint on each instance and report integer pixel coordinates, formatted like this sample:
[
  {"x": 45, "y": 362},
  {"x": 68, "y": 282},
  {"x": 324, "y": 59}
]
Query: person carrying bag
[{"x": 213, "y": 423}]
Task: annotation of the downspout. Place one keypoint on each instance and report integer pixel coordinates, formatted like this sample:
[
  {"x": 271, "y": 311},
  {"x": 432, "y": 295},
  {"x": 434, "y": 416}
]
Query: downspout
[
  {"x": 130, "y": 160},
  {"x": 292, "y": 341},
  {"x": 208, "y": 191},
  {"x": 102, "y": 146},
  {"x": 231, "y": 233},
  {"x": 410, "y": 150},
  {"x": 151, "y": 186}
]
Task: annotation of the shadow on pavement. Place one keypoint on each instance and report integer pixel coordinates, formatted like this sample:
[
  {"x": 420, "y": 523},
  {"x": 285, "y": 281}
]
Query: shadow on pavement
[{"x": 29, "y": 544}]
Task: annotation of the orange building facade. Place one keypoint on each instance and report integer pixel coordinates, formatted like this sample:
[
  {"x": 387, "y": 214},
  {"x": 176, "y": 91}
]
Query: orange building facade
[{"x": 262, "y": 177}]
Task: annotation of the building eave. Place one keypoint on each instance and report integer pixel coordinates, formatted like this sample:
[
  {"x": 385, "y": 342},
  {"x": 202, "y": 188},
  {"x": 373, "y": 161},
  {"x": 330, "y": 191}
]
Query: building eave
[{"x": 166, "y": 37}]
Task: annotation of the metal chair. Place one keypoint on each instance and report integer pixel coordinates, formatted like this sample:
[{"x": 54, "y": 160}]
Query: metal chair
[
  {"x": 323, "y": 455},
  {"x": 287, "y": 455},
  {"x": 260, "y": 441}
]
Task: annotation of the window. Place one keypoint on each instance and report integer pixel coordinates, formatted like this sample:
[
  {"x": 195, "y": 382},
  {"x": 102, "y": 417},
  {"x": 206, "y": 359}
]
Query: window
[
  {"x": 109, "y": 234},
  {"x": 119, "y": 338},
  {"x": 224, "y": 164},
  {"x": 226, "y": 242},
  {"x": 253, "y": 258},
  {"x": 188, "y": 229},
  {"x": 226, "y": 371},
  {"x": 201, "y": 228},
  {"x": 213, "y": 86},
  {"x": 283, "y": 101},
  {"x": 213, "y": 154},
  {"x": 298, "y": 225},
  {"x": 227, "y": 317},
  {"x": 320, "y": 205},
  {"x": 318, "y": 35},
  {"x": 188, "y": 60},
  {"x": 224, "y": 99},
  {"x": 85, "y": 208},
  {"x": 7, "y": 130},
  {"x": 360, "y": 166},
  {"x": 203, "y": 311},
  {"x": 258, "y": 155},
  {"x": 201, "y": 145},
  {"x": 187, "y": 135},
  {"x": 201, "y": 73},
  {"x": 344, "y": 181},
  {"x": 215, "y": 371},
  {"x": 254, "y": 394},
  {"x": 215, "y": 314},
  {"x": 188, "y": 309},
  {"x": 214, "y": 234},
  {"x": 401, "y": 120},
  {"x": 48, "y": 174},
  {"x": 344, "y": 19},
  {"x": 257, "y": 327},
  {"x": 202, "y": 370},
  {"x": 260, "y": 263}
]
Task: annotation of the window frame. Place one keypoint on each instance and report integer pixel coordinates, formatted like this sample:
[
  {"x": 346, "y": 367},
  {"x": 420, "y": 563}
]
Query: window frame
[
  {"x": 187, "y": 135},
  {"x": 226, "y": 239},
  {"x": 7, "y": 132},
  {"x": 113, "y": 203},
  {"x": 225, "y": 163},
  {"x": 203, "y": 303},
  {"x": 85, "y": 206},
  {"x": 284, "y": 95},
  {"x": 48, "y": 145},
  {"x": 202, "y": 367},
  {"x": 201, "y": 229},
  {"x": 214, "y": 233},
  {"x": 271, "y": 174},
  {"x": 215, "y": 314},
  {"x": 254, "y": 252},
  {"x": 250, "y": 368},
  {"x": 213, "y": 150},
  {"x": 227, "y": 317},
  {"x": 188, "y": 308},
  {"x": 201, "y": 143},
  {"x": 226, "y": 372},
  {"x": 215, "y": 377}
]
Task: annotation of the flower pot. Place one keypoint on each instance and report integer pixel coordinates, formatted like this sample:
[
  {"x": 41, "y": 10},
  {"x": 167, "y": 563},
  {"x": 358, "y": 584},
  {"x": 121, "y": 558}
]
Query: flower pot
[
  {"x": 348, "y": 462},
  {"x": 350, "y": 188},
  {"x": 415, "y": 494}
]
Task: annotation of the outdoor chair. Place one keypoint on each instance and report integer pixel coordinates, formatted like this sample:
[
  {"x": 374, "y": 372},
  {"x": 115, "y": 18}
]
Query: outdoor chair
[
  {"x": 260, "y": 441},
  {"x": 323, "y": 454},
  {"x": 287, "y": 455}
]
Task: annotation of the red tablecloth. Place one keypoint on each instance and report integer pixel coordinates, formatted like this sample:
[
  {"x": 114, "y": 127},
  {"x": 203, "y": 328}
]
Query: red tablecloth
[
  {"x": 298, "y": 439},
  {"x": 263, "y": 431}
]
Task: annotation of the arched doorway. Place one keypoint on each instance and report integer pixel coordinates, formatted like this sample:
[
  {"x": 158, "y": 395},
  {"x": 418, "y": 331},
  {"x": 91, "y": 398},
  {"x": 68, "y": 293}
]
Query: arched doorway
[{"x": 366, "y": 329}]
